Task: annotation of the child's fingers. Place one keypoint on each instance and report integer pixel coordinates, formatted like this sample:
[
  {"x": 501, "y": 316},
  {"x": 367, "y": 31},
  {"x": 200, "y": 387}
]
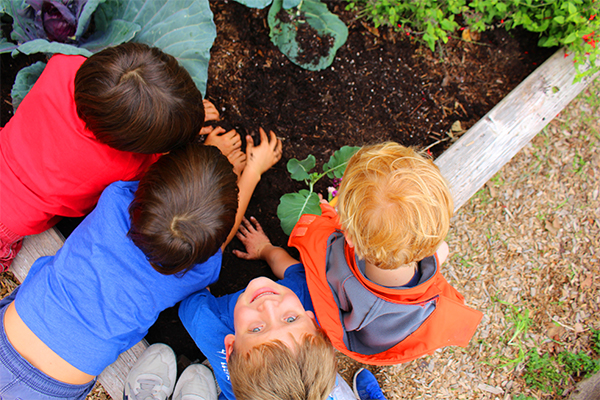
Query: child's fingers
[
  {"x": 206, "y": 130},
  {"x": 241, "y": 254},
  {"x": 257, "y": 226},
  {"x": 249, "y": 144}
]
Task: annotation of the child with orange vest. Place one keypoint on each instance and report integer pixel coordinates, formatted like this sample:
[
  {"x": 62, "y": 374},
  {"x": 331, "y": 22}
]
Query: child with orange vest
[{"x": 373, "y": 267}]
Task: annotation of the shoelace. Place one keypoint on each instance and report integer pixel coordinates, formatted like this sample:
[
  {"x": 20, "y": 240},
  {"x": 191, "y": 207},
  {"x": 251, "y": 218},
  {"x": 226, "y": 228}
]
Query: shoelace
[{"x": 146, "y": 391}]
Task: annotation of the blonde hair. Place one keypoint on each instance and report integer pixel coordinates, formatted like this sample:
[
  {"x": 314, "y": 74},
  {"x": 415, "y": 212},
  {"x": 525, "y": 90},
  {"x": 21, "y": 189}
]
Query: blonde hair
[
  {"x": 273, "y": 371},
  {"x": 394, "y": 205}
]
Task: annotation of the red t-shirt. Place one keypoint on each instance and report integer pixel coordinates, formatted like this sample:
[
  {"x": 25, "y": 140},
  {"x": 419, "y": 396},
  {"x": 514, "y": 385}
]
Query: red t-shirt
[{"x": 50, "y": 164}]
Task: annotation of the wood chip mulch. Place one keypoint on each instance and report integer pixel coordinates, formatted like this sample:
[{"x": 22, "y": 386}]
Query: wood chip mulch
[{"x": 526, "y": 246}]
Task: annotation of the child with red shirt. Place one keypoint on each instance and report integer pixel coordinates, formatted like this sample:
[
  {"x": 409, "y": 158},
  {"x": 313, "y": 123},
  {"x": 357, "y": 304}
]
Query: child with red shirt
[{"x": 87, "y": 123}]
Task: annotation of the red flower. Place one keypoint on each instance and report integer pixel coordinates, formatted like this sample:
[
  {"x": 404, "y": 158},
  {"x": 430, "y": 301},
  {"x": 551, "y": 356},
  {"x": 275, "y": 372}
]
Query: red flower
[{"x": 592, "y": 16}]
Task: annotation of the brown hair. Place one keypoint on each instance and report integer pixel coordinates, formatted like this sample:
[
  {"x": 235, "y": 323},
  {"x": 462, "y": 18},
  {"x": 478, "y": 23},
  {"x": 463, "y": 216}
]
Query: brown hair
[
  {"x": 273, "y": 371},
  {"x": 184, "y": 208},
  {"x": 394, "y": 205},
  {"x": 136, "y": 98}
]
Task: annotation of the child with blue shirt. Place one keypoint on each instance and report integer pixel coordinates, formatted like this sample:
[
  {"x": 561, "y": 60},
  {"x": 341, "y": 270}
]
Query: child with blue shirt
[
  {"x": 141, "y": 250},
  {"x": 263, "y": 342}
]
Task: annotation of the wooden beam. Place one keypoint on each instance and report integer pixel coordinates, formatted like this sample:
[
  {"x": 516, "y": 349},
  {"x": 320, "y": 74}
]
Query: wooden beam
[{"x": 482, "y": 151}]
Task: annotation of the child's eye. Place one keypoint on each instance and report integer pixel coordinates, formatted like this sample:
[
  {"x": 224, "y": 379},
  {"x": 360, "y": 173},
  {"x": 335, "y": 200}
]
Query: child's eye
[
  {"x": 290, "y": 319},
  {"x": 257, "y": 329}
]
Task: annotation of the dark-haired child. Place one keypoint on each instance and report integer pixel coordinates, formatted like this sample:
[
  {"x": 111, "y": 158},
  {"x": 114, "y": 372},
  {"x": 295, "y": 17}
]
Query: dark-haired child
[
  {"x": 142, "y": 249},
  {"x": 87, "y": 123}
]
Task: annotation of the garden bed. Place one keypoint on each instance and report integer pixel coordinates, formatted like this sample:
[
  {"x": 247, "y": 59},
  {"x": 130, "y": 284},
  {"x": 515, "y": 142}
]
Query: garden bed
[{"x": 381, "y": 86}]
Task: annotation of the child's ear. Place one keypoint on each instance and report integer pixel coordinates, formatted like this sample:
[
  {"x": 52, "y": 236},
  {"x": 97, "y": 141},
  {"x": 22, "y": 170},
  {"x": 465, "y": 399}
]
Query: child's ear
[
  {"x": 348, "y": 241},
  {"x": 229, "y": 339},
  {"x": 312, "y": 315}
]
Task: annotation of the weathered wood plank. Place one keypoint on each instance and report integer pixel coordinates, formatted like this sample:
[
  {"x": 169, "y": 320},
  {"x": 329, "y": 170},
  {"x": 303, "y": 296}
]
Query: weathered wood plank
[
  {"x": 113, "y": 377},
  {"x": 46, "y": 243},
  {"x": 470, "y": 162}
]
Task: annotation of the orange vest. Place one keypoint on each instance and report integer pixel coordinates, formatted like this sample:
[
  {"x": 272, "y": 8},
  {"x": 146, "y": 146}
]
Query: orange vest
[{"x": 451, "y": 323}]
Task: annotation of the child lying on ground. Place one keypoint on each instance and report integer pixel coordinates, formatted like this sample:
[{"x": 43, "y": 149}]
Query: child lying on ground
[
  {"x": 374, "y": 271},
  {"x": 141, "y": 250},
  {"x": 87, "y": 123},
  {"x": 263, "y": 342}
]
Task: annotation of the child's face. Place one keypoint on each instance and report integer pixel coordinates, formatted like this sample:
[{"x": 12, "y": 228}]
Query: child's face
[{"x": 266, "y": 311}]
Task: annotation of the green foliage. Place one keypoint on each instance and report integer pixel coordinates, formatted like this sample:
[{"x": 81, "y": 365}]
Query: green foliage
[
  {"x": 580, "y": 364},
  {"x": 293, "y": 205},
  {"x": 571, "y": 23},
  {"x": 549, "y": 374},
  {"x": 332, "y": 32},
  {"x": 24, "y": 81},
  {"x": 541, "y": 372},
  {"x": 596, "y": 340},
  {"x": 182, "y": 28}
]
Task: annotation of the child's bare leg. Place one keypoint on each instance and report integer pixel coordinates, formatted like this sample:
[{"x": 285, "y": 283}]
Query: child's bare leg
[{"x": 227, "y": 142}]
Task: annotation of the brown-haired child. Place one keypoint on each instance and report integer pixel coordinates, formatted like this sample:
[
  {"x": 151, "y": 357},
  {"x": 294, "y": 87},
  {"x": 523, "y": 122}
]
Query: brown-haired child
[
  {"x": 87, "y": 123},
  {"x": 132, "y": 257}
]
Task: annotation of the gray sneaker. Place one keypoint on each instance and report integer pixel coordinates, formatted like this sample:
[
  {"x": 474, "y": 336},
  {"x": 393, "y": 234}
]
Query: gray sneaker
[
  {"x": 196, "y": 383},
  {"x": 153, "y": 375}
]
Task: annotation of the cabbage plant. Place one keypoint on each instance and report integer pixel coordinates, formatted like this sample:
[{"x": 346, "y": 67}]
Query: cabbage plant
[
  {"x": 181, "y": 28},
  {"x": 289, "y": 18},
  {"x": 293, "y": 205}
]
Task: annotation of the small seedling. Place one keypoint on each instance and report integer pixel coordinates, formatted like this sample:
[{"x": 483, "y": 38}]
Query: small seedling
[{"x": 293, "y": 205}]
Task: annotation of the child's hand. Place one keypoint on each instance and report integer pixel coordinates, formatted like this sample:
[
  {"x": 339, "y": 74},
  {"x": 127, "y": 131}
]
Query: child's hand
[
  {"x": 265, "y": 155},
  {"x": 227, "y": 142},
  {"x": 253, "y": 238},
  {"x": 210, "y": 111}
]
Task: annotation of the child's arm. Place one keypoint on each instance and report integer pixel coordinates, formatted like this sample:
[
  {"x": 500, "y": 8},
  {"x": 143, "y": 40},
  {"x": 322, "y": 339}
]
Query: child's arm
[
  {"x": 258, "y": 159},
  {"x": 259, "y": 247}
]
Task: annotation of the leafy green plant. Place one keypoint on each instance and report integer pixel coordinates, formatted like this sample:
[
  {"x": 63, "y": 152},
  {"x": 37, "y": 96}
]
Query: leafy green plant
[
  {"x": 293, "y": 22},
  {"x": 541, "y": 373},
  {"x": 549, "y": 374},
  {"x": 520, "y": 322},
  {"x": 293, "y": 205},
  {"x": 182, "y": 28},
  {"x": 596, "y": 340},
  {"x": 571, "y": 23}
]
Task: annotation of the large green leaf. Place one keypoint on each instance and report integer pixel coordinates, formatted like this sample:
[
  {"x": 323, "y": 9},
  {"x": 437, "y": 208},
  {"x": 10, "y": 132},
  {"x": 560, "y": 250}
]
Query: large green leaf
[
  {"x": 6, "y": 46},
  {"x": 293, "y": 205},
  {"x": 24, "y": 82},
  {"x": 284, "y": 34},
  {"x": 300, "y": 170},
  {"x": 44, "y": 46},
  {"x": 182, "y": 28},
  {"x": 337, "y": 163}
]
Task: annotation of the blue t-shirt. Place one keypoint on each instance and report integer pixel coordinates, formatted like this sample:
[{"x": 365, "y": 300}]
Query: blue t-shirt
[
  {"x": 208, "y": 319},
  {"x": 98, "y": 295}
]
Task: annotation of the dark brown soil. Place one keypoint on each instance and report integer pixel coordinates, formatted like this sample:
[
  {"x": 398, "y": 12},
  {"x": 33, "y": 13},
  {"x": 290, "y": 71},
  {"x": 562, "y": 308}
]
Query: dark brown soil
[{"x": 382, "y": 86}]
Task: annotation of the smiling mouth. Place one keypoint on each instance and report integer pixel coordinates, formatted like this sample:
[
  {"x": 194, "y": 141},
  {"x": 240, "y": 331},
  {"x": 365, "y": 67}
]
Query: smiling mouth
[{"x": 260, "y": 294}]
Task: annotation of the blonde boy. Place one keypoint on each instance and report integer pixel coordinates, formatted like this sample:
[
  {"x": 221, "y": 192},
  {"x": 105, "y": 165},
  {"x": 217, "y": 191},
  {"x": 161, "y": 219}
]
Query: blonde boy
[
  {"x": 263, "y": 342},
  {"x": 373, "y": 270}
]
